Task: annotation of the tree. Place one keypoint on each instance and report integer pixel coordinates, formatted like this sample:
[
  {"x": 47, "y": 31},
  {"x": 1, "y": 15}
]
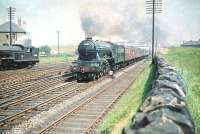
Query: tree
[{"x": 45, "y": 49}]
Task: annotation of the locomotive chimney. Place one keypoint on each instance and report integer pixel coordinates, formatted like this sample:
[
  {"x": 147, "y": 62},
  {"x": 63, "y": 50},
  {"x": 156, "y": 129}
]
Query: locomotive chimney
[{"x": 88, "y": 36}]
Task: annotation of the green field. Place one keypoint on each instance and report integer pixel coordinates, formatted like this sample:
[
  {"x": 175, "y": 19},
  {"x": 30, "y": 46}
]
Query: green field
[
  {"x": 68, "y": 49},
  {"x": 68, "y": 56},
  {"x": 129, "y": 103},
  {"x": 56, "y": 59},
  {"x": 187, "y": 62}
]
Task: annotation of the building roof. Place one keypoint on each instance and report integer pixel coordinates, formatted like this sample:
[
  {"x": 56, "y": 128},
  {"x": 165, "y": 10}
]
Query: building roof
[{"x": 5, "y": 28}]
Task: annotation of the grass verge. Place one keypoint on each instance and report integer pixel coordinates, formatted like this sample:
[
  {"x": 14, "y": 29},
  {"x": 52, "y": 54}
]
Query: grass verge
[
  {"x": 69, "y": 49},
  {"x": 129, "y": 102},
  {"x": 55, "y": 59},
  {"x": 187, "y": 63}
]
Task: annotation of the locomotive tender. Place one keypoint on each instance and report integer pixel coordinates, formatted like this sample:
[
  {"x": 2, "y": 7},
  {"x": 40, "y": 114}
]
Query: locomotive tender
[
  {"x": 96, "y": 58},
  {"x": 18, "y": 56}
]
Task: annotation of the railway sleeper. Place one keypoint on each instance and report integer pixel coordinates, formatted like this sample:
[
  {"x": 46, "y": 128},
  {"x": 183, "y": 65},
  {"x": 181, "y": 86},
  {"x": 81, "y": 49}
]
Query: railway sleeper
[{"x": 66, "y": 130}]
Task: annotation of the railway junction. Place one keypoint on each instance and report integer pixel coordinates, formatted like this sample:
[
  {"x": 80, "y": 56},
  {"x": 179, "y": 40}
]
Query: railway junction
[{"x": 45, "y": 103}]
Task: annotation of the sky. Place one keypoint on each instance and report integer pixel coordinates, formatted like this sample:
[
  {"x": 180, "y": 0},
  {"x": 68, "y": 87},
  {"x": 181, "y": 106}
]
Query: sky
[{"x": 116, "y": 20}]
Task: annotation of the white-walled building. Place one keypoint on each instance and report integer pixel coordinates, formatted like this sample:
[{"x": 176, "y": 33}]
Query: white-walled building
[{"x": 17, "y": 32}]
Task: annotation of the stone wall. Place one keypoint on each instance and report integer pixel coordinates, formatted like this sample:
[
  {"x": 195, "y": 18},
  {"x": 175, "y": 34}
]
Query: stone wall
[{"x": 164, "y": 110}]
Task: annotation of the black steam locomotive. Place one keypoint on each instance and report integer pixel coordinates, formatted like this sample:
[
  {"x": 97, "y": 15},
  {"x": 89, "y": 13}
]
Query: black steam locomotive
[
  {"x": 96, "y": 58},
  {"x": 18, "y": 56}
]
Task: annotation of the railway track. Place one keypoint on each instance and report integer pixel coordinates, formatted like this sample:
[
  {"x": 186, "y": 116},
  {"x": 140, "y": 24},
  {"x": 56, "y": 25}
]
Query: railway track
[
  {"x": 29, "y": 76},
  {"x": 24, "y": 70},
  {"x": 20, "y": 90},
  {"x": 31, "y": 84},
  {"x": 83, "y": 116},
  {"x": 13, "y": 96},
  {"x": 15, "y": 111},
  {"x": 25, "y": 75},
  {"x": 22, "y": 107}
]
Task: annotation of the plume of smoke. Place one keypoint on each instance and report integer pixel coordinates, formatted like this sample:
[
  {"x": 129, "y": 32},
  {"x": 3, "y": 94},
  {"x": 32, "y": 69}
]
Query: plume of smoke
[{"x": 125, "y": 19}]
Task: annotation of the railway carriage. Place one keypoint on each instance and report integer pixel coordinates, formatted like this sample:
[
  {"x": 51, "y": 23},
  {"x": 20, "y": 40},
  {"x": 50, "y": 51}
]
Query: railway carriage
[{"x": 96, "y": 58}]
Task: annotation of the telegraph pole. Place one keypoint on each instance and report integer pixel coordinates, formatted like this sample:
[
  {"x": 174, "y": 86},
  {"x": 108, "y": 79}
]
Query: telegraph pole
[
  {"x": 153, "y": 26},
  {"x": 153, "y": 7},
  {"x": 11, "y": 13},
  {"x": 156, "y": 45},
  {"x": 58, "y": 37}
]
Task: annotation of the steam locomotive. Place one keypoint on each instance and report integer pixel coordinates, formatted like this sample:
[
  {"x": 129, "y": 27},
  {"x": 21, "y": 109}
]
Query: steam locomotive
[
  {"x": 18, "y": 56},
  {"x": 96, "y": 58}
]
